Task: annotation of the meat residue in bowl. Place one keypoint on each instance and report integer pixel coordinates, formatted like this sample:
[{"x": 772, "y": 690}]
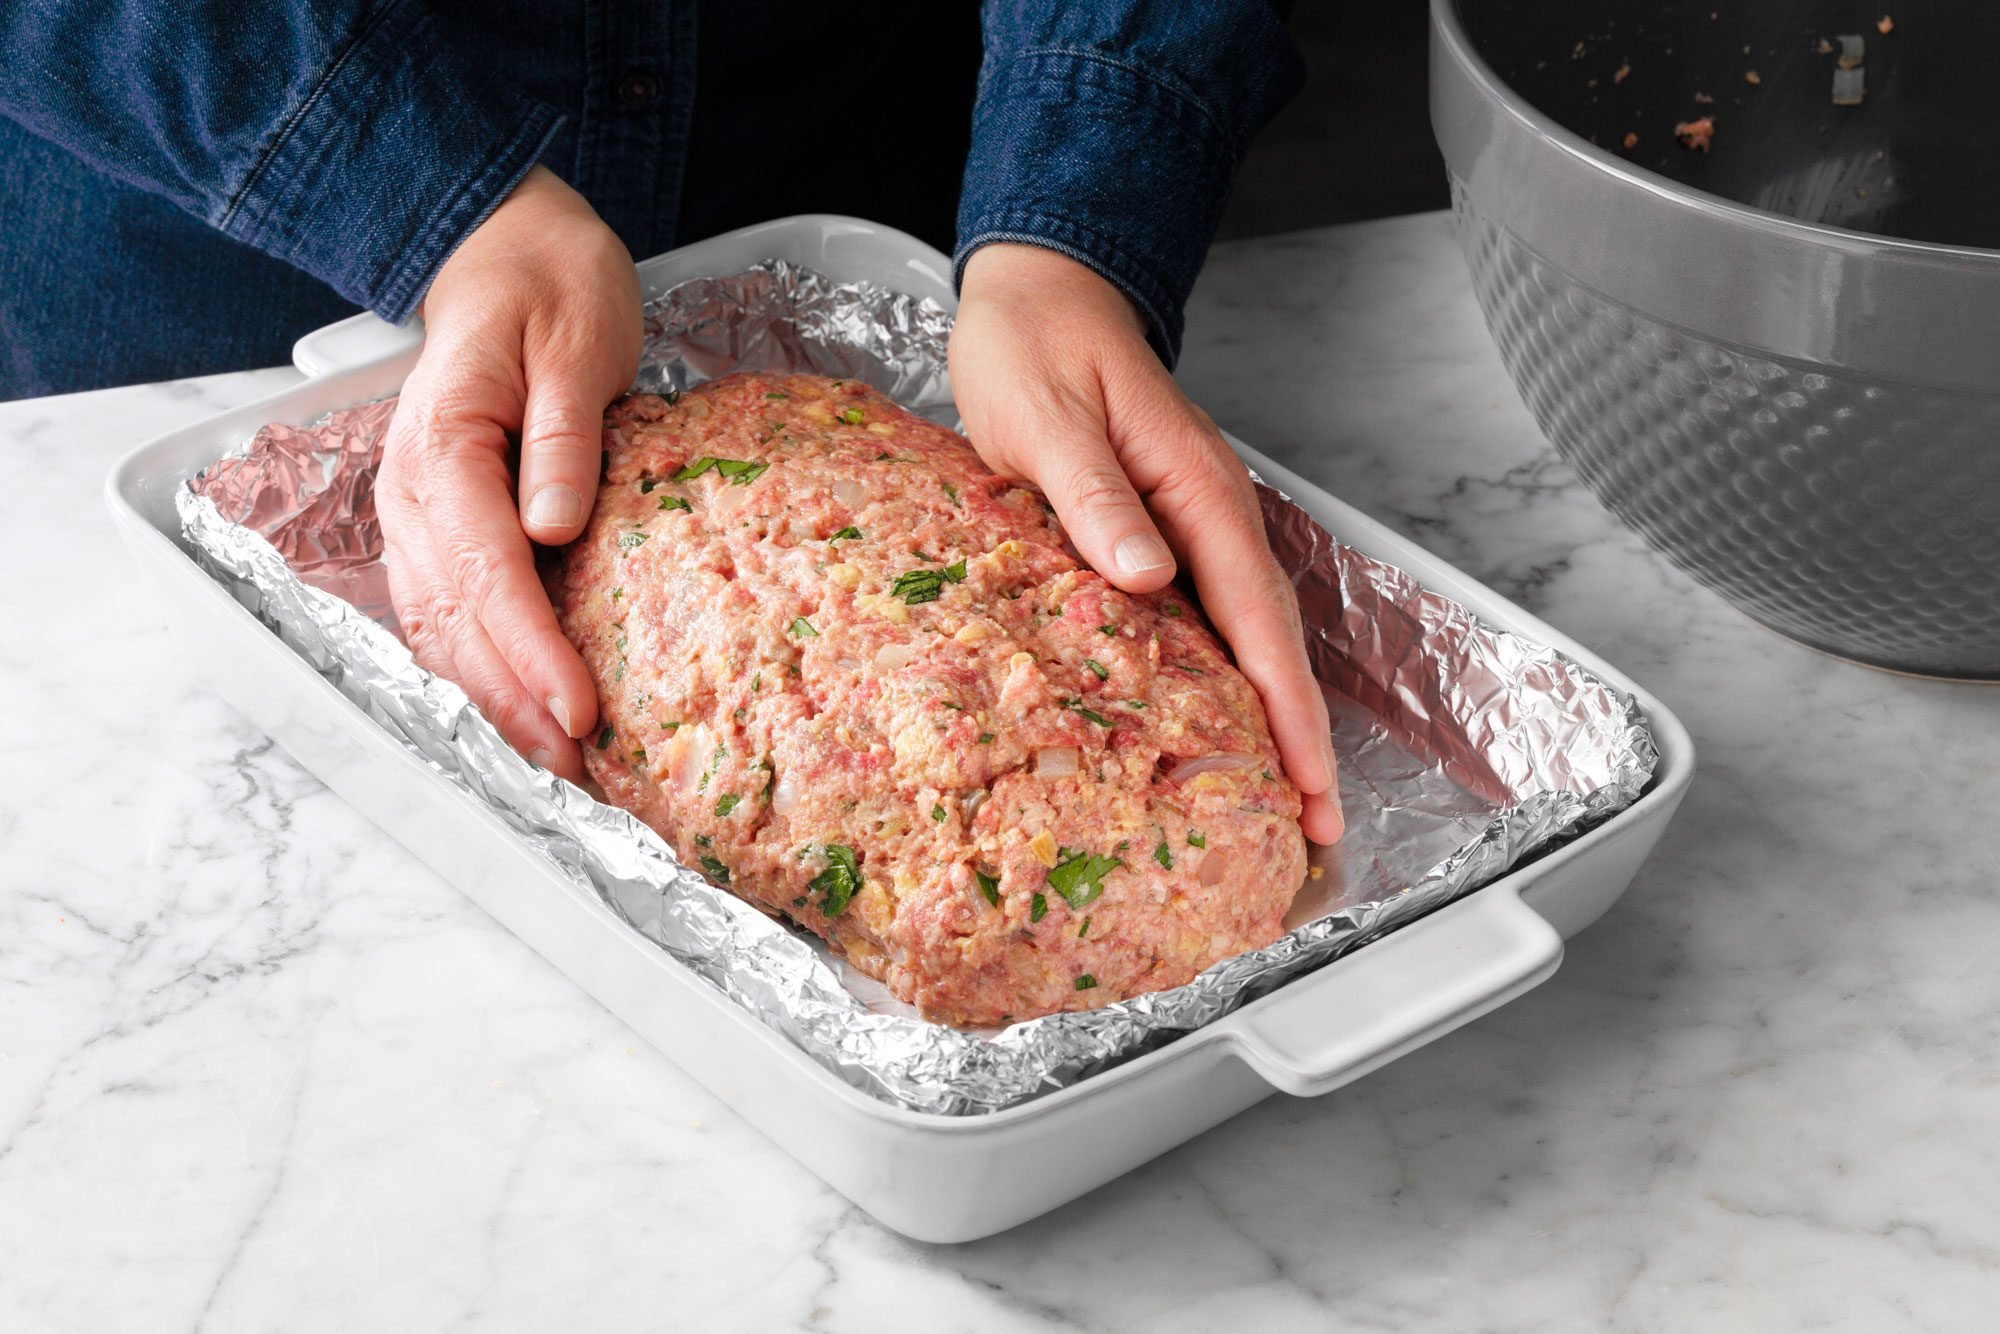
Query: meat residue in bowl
[{"x": 1696, "y": 134}]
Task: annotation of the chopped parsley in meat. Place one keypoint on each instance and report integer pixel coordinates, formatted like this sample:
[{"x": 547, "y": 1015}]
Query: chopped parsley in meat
[
  {"x": 1076, "y": 706},
  {"x": 740, "y": 471},
  {"x": 675, "y": 503},
  {"x": 917, "y": 586},
  {"x": 715, "y": 869},
  {"x": 803, "y": 628},
  {"x": 1079, "y": 876},
  {"x": 837, "y": 883},
  {"x": 728, "y": 802},
  {"x": 989, "y": 886}
]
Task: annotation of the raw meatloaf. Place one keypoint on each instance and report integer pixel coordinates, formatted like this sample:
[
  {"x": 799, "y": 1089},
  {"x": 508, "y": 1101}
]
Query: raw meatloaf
[{"x": 865, "y": 683}]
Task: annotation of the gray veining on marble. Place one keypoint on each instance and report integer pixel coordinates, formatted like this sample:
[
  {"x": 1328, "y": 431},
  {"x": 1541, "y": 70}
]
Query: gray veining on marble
[{"x": 260, "y": 1070}]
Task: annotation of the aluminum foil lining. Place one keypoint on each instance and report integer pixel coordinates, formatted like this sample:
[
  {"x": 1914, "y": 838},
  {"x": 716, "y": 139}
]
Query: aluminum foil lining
[{"x": 1464, "y": 748}]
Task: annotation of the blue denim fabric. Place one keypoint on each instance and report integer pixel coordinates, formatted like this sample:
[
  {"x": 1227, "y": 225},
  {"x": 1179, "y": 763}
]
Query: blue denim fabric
[
  {"x": 188, "y": 185},
  {"x": 1110, "y": 131}
]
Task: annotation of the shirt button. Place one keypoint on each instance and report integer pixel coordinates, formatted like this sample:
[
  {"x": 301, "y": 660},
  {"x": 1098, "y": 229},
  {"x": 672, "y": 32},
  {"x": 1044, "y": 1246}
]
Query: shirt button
[{"x": 637, "y": 87}]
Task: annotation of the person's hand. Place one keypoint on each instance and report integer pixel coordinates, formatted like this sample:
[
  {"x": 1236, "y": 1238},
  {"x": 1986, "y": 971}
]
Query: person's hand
[
  {"x": 531, "y": 326},
  {"x": 1057, "y": 385}
]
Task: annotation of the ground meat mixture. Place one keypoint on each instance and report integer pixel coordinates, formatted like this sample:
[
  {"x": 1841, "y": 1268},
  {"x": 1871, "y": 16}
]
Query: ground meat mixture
[{"x": 865, "y": 683}]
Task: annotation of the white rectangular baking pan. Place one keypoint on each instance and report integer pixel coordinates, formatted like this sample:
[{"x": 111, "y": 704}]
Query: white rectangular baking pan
[{"x": 935, "y": 1178}]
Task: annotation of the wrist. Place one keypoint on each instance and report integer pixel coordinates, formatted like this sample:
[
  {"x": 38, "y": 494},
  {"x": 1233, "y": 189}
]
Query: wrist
[{"x": 1018, "y": 272}]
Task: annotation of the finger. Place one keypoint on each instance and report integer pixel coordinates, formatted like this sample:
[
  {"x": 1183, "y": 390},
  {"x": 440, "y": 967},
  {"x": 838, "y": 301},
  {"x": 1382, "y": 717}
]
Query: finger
[
  {"x": 483, "y": 674},
  {"x": 472, "y": 552},
  {"x": 1321, "y": 818},
  {"x": 410, "y": 601},
  {"x": 1206, "y": 505},
  {"x": 487, "y": 562},
  {"x": 446, "y": 638},
  {"x": 562, "y": 454},
  {"x": 1210, "y": 514},
  {"x": 1073, "y": 464}
]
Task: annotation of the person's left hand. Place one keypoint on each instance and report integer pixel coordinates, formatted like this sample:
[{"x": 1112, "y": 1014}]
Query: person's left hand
[{"x": 1057, "y": 385}]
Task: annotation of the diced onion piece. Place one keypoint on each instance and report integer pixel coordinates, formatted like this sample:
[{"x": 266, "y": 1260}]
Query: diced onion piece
[
  {"x": 1214, "y": 866},
  {"x": 890, "y": 657},
  {"x": 1056, "y": 761},
  {"x": 973, "y": 803},
  {"x": 696, "y": 746},
  {"x": 1208, "y": 764},
  {"x": 851, "y": 493},
  {"x": 785, "y": 796}
]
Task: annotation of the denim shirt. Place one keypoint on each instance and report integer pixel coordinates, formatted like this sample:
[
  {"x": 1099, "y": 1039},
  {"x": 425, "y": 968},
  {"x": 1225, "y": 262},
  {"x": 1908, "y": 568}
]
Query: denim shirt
[{"x": 360, "y": 141}]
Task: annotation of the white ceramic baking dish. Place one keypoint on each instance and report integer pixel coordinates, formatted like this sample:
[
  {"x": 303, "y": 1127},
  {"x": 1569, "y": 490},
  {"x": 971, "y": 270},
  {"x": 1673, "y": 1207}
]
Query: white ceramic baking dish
[{"x": 935, "y": 1178}]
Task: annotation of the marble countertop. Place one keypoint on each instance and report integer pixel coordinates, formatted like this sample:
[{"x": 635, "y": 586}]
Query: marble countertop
[{"x": 261, "y": 1070}]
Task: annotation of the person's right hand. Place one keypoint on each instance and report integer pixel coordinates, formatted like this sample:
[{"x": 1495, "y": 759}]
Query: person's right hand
[{"x": 532, "y": 326}]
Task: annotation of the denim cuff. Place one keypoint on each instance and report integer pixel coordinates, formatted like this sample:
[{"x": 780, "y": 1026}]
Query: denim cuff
[
  {"x": 1096, "y": 158},
  {"x": 389, "y": 162}
]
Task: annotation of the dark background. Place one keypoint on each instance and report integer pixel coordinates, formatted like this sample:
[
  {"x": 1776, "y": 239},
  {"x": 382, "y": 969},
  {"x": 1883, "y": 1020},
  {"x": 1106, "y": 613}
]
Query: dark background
[{"x": 1356, "y": 142}]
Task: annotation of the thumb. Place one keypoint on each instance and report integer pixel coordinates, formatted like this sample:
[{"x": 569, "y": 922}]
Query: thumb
[
  {"x": 562, "y": 450},
  {"x": 1076, "y": 468}
]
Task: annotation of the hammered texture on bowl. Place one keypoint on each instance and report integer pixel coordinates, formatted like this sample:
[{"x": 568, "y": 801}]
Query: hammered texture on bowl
[{"x": 1860, "y": 517}]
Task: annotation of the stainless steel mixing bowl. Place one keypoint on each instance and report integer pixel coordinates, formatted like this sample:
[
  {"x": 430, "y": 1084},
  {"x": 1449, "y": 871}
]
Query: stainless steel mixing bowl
[{"x": 1743, "y": 352}]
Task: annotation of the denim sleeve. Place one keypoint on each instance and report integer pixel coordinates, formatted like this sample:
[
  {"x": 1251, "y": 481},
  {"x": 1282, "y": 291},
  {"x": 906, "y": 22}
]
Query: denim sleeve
[
  {"x": 344, "y": 137},
  {"x": 1109, "y": 130}
]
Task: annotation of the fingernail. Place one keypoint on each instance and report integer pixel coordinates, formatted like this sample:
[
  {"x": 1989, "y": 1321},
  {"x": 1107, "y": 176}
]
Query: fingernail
[
  {"x": 555, "y": 507},
  {"x": 1140, "y": 553},
  {"x": 561, "y": 712},
  {"x": 542, "y": 757}
]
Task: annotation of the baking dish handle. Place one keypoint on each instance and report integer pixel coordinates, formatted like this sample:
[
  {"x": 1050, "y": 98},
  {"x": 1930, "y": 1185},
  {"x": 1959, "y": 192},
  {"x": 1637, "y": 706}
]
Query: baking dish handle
[
  {"x": 359, "y": 340},
  {"x": 1402, "y": 991}
]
